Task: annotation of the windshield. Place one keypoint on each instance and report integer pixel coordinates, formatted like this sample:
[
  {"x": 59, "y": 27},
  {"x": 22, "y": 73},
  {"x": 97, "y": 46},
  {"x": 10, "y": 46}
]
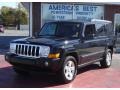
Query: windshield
[{"x": 65, "y": 29}]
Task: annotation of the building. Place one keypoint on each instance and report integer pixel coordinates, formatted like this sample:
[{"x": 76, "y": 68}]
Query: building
[{"x": 40, "y": 12}]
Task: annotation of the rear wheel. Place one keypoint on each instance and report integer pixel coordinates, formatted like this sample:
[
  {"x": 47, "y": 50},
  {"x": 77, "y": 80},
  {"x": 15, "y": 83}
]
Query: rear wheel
[
  {"x": 107, "y": 60},
  {"x": 69, "y": 69}
]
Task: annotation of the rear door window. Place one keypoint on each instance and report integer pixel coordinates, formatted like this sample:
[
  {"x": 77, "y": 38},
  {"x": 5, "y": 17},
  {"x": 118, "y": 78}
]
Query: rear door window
[
  {"x": 90, "y": 31},
  {"x": 101, "y": 30}
]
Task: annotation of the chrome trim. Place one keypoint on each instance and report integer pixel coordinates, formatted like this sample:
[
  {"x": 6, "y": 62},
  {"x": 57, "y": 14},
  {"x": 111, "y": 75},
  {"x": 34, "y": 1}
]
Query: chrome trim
[
  {"x": 92, "y": 54},
  {"x": 35, "y": 51},
  {"x": 84, "y": 64},
  {"x": 31, "y": 51},
  {"x": 87, "y": 41},
  {"x": 23, "y": 50},
  {"x": 28, "y": 49}
]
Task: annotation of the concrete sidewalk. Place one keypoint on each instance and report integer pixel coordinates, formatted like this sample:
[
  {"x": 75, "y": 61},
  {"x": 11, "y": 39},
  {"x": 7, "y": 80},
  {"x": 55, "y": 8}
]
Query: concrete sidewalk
[{"x": 15, "y": 33}]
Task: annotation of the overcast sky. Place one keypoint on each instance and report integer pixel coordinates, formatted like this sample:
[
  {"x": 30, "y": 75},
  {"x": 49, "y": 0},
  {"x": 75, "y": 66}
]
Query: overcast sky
[{"x": 9, "y": 4}]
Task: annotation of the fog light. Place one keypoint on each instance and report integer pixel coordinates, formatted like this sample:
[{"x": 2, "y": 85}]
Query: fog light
[{"x": 46, "y": 63}]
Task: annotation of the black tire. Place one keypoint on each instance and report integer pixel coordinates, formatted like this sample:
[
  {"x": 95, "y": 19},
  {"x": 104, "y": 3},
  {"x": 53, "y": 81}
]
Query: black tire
[
  {"x": 63, "y": 72},
  {"x": 105, "y": 63},
  {"x": 20, "y": 72}
]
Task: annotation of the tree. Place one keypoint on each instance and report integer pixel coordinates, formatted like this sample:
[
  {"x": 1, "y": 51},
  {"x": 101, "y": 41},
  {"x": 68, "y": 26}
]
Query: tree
[
  {"x": 22, "y": 16},
  {"x": 13, "y": 16},
  {"x": 8, "y": 15}
]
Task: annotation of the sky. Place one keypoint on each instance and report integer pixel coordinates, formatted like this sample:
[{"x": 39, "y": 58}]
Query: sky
[{"x": 9, "y": 4}]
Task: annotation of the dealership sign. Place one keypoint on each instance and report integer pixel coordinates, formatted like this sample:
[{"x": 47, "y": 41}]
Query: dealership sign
[
  {"x": 70, "y": 11},
  {"x": 88, "y": 12}
]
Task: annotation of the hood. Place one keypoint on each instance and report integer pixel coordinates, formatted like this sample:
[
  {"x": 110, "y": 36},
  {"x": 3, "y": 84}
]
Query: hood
[
  {"x": 41, "y": 40},
  {"x": 46, "y": 40}
]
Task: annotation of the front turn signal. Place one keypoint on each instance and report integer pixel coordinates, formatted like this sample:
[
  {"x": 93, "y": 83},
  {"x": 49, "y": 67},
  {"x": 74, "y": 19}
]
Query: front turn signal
[{"x": 54, "y": 55}]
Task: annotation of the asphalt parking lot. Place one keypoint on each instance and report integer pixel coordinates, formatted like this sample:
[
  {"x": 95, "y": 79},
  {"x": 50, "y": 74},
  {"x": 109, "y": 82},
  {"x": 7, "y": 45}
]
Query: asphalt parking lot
[{"x": 88, "y": 77}]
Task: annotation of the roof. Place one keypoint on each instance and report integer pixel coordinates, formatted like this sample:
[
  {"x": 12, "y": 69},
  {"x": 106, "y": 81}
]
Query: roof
[
  {"x": 77, "y": 21},
  {"x": 100, "y": 21},
  {"x": 93, "y": 21}
]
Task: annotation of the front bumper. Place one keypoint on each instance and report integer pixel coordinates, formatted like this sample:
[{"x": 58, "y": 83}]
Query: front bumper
[{"x": 26, "y": 63}]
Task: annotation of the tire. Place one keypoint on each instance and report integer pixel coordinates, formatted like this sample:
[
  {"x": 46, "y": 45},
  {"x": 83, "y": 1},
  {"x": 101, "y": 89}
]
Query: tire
[
  {"x": 69, "y": 70},
  {"x": 20, "y": 72},
  {"x": 107, "y": 59}
]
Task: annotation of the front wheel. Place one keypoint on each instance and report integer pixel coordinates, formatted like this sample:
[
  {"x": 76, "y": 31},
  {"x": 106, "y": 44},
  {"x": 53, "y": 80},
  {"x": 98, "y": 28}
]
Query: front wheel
[
  {"x": 107, "y": 60},
  {"x": 69, "y": 69}
]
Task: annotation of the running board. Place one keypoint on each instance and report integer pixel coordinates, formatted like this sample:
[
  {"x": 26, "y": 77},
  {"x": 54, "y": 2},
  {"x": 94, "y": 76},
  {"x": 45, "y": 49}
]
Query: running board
[{"x": 88, "y": 63}]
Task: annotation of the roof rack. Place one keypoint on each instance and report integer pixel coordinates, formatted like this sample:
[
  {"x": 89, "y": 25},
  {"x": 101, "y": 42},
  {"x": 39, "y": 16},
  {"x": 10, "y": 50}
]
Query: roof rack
[{"x": 101, "y": 21}]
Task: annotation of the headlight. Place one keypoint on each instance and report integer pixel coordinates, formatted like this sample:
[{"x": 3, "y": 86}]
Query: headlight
[
  {"x": 12, "y": 47},
  {"x": 45, "y": 50}
]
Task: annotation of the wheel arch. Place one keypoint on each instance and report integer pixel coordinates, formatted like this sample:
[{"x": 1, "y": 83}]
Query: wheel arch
[
  {"x": 111, "y": 48},
  {"x": 74, "y": 54}
]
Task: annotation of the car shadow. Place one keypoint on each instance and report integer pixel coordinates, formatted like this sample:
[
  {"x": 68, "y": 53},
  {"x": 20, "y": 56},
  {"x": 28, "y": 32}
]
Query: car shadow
[
  {"x": 9, "y": 79},
  {"x": 88, "y": 68}
]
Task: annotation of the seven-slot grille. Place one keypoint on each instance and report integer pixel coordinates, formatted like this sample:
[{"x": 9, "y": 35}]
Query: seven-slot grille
[{"x": 28, "y": 50}]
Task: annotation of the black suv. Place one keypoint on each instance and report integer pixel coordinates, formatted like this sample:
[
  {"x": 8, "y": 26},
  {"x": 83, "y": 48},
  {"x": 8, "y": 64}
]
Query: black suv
[{"x": 62, "y": 47}]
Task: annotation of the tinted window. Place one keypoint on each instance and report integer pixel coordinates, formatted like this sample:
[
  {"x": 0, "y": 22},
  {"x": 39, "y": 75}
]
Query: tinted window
[
  {"x": 104, "y": 29},
  {"x": 109, "y": 29},
  {"x": 64, "y": 29},
  {"x": 101, "y": 30},
  {"x": 68, "y": 30},
  {"x": 89, "y": 31},
  {"x": 48, "y": 29}
]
